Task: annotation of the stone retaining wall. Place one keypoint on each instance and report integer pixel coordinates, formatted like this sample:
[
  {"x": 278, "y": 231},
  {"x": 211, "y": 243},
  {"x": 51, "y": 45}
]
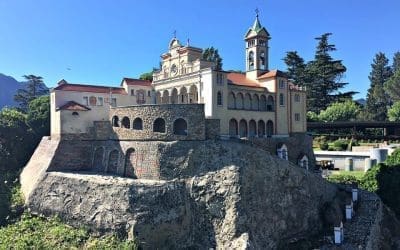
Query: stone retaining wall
[{"x": 192, "y": 114}]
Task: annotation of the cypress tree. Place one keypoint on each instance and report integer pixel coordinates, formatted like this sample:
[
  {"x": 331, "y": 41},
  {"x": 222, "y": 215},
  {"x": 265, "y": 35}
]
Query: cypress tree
[{"x": 377, "y": 99}]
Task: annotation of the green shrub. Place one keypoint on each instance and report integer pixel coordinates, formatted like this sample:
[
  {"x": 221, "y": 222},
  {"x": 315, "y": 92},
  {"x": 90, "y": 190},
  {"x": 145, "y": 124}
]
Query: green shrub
[
  {"x": 385, "y": 181},
  {"x": 331, "y": 149},
  {"x": 343, "y": 178},
  {"x": 394, "y": 158},
  {"x": 341, "y": 144},
  {"x": 324, "y": 146},
  {"x": 32, "y": 232}
]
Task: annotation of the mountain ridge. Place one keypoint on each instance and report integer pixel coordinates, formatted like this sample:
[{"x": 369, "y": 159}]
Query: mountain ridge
[{"x": 8, "y": 88}]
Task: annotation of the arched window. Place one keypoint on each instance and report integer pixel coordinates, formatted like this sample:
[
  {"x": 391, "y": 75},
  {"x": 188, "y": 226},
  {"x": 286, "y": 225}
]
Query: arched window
[
  {"x": 115, "y": 121},
  {"x": 261, "y": 128},
  {"x": 239, "y": 101},
  {"x": 281, "y": 100},
  {"x": 137, "y": 124},
  {"x": 158, "y": 97},
  {"x": 282, "y": 152},
  {"x": 233, "y": 128},
  {"x": 263, "y": 103},
  {"x": 247, "y": 101},
  {"x": 193, "y": 94},
  {"x": 126, "y": 123},
  {"x": 270, "y": 103},
  {"x": 183, "y": 95},
  {"x": 219, "y": 98},
  {"x": 252, "y": 128},
  {"x": 75, "y": 113},
  {"x": 303, "y": 162},
  {"x": 262, "y": 61},
  {"x": 98, "y": 156},
  {"x": 174, "y": 96},
  {"x": 165, "y": 97},
  {"x": 270, "y": 128},
  {"x": 113, "y": 159},
  {"x": 159, "y": 125},
  {"x": 255, "y": 102},
  {"x": 129, "y": 168},
  {"x": 231, "y": 100},
  {"x": 251, "y": 60},
  {"x": 243, "y": 128},
  {"x": 180, "y": 127}
]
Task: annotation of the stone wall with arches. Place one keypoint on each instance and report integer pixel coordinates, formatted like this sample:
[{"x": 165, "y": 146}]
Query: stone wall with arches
[{"x": 159, "y": 122}]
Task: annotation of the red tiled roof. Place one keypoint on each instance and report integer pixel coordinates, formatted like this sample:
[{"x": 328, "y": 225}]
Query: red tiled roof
[
  {"x": 132, "y": 81},
  {"x": 272, "y": 73},
  {"x": 240, "y": 79},
  {"x": 73, "y": 106},
  {"x": 64, "y": 86}
]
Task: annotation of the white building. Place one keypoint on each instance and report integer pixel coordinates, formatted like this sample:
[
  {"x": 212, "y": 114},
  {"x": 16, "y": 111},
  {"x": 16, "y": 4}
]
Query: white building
[{"x": 260, "y": 102}]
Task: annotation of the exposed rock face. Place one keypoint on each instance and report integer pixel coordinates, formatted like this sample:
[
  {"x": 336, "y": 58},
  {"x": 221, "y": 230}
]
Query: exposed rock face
[
  {"x": 214, "y": 194},
  {"x": 228, "y": 195}
]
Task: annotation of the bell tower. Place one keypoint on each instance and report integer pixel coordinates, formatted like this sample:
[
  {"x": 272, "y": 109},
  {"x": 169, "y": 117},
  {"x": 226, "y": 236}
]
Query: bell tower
[{"x": 256, "y": 39}]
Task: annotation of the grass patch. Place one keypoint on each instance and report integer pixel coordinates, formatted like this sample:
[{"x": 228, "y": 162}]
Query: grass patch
[
  {"x": 346, "y": 177},
  {"x": 32, "y": 232}
]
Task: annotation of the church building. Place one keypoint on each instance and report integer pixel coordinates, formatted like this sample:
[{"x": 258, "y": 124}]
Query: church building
[{"x": 258, "y": 103}]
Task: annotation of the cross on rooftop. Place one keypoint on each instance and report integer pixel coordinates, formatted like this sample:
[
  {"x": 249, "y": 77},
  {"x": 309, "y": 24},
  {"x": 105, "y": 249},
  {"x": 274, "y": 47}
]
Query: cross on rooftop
[{"x": 257, "y": 11}]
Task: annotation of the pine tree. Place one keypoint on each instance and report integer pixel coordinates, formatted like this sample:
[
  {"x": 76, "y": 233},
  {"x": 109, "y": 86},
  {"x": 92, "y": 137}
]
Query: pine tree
[
  {"x": 35, "y": 88},
  {"x": 392, "y": 85},
  {"x": 296, "y": 68},
  {"x": 212, "y": 55},
  {"x": 321, "y": 76},
  {"x": 396, "y": 61},
  {"x": 377, "y": 99}
]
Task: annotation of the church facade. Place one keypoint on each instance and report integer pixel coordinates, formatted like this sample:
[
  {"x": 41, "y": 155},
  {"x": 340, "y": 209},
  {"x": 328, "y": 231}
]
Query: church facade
[{"x": 258, "y": 103}]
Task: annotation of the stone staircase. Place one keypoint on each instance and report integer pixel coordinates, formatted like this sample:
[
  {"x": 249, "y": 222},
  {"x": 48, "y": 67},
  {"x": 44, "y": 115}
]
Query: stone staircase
[{"x": 358, "y": 229}]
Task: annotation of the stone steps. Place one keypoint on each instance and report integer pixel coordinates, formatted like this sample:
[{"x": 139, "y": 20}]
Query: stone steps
[{"x": 357, "y": 230}]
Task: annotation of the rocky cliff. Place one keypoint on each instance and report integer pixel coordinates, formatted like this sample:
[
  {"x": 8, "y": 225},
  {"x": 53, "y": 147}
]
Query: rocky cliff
[{"x": 220, "y": 194}]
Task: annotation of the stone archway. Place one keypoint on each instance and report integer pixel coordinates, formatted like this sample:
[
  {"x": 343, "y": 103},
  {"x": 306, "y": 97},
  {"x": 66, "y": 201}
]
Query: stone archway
[
  {"x": 243, "y": 128},
  {"x": 261, "y": 128},
  {"x": 252, "y": 128},
  {"x": 113, "y": 160},
  {"x": 233, "y": 128},
  {"x": 98, "y": 158},
  {"x": 129, "y": 168},
  {"x": 270, "y": 128}
]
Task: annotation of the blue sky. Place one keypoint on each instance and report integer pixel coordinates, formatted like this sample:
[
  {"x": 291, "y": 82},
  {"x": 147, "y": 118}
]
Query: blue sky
[{"x": 100, "y": 42}]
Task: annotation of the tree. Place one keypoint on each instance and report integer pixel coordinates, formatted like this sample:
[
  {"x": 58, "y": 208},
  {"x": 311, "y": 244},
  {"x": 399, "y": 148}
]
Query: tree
[
  {"x": 394, "y": 112},
  {"x": 325, "y": 77},
  {"x": 15, "y": 139},
  {"x": 340, "y": 111},
  {"x": 211, "y": 55},
  {"x": 38, "y": 117},
  {"x": 296, "y": 68},
  {"x": 377, "y": 99},
  {"x": 392, "y": 85},
  {"x": 396, "y": 62},
  {"x": 148, "y": 75},
  {"x": 321, "y": 76},
  {"x": 35, "y": 87}
]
